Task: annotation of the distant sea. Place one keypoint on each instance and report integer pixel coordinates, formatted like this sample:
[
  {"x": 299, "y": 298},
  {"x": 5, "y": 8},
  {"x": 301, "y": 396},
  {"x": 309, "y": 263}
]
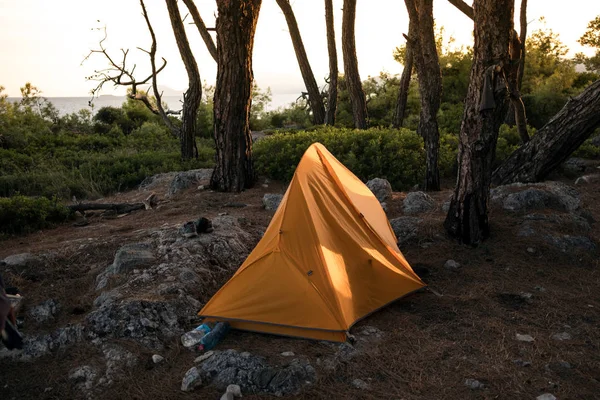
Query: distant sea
[{"x": 68, "y": 105}]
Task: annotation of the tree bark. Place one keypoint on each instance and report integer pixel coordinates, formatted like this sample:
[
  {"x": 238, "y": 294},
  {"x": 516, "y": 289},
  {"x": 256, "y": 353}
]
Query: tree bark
[
  {"x": 333, "y": 65},
  {"x": 236, "y": 25},
  {"x": 193, "y": 95},
  {"x": 315, "y": 99},
  {"x": 485, "y": 108},
  {"x": 522, "y": 39},
  {"x": 199, "y": 22},
  {"x": 424, "y": 53},
  {"x": 554, "y": 142},
  {"x": 516, "y": 114},
  {"x": 355, "y": 90},
  {"x": 404, "y": 86}
]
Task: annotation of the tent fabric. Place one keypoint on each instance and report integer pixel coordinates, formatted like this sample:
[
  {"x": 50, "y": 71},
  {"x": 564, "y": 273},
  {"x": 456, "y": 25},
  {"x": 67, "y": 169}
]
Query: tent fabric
[{"x": 328, "y": 259}]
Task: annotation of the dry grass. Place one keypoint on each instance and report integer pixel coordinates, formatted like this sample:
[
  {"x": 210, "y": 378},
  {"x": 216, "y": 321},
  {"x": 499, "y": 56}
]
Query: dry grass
[{"x": 431, "y": 344}]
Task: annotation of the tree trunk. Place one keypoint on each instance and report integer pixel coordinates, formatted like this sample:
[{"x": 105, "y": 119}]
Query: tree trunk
[
  {"x": 522, "y": 39},
  {"x": 404, "y": 86},
  {"x": 193, "y": 95},
  {"x": 485, "y": 108},
  {"x": 355, "y": 90},
  {"x": 236, "y": 25},
  {"x": 516, "y": 114},
  {"x": 333, "y": 65},
  {"x": 314, "y": 94},
  {"x": 426, "y": 61},
  {"x": 208, "y": 40},
  {"x": 555, "y": 142}
]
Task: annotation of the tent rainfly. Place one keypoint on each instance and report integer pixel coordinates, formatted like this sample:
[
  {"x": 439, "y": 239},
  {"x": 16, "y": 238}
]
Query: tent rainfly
[{"x": 328, "y": 259}]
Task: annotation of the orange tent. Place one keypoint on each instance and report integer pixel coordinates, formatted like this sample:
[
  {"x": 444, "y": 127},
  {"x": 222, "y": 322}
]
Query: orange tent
[{"x": 328, "y": 259}]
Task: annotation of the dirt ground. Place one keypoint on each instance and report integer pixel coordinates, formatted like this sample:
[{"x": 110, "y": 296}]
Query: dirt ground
[{"x": 431, "y": 344}]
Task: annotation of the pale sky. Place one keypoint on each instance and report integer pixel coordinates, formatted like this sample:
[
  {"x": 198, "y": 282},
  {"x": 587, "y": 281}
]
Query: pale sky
[{"x": 44, "y": 41}]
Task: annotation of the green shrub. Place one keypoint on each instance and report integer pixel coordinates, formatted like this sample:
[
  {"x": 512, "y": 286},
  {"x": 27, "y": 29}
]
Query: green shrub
[
  {"x": 20, "y": 214},
  {"x": 396, "y": 155}
]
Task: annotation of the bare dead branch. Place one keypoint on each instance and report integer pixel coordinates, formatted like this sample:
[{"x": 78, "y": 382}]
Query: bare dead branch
[
  {"x": 155, "y": 72},
  {"x": 208, "y": 40}
]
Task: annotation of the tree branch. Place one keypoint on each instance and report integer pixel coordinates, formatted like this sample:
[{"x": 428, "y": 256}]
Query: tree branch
[
  {"x": 464, "y": 7},
  {"x": 152, "y": 53},
  {"x": 208, "y": 40}
]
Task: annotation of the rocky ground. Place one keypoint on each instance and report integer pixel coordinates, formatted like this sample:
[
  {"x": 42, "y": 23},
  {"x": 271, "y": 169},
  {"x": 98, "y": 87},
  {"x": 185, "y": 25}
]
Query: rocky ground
[{"x": 107, "y": 297}]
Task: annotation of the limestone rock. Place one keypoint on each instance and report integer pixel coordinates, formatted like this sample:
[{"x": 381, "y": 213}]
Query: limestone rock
[
  {"x": 381, "y": 188},
  {"x": 360, "y": 384},
  {"x": 562, "y": 336},
  {"x": 191, "y": 380},
  {"x": 474, "y": 384},
  {"x": 45, "y": 311},
  {"x": 232, "y": 392},
  {"x": 519, "y": 196},
  {"x": 524, "y": 338},
  {"x": 405, "y": 228},
  {"x": 271, "y": 201},
  {"x": 417, "y": 202},
  {"x": 185, "y": 179},
  {"x": 452, "y": 265},
  {"x": 253, "y": 374}
]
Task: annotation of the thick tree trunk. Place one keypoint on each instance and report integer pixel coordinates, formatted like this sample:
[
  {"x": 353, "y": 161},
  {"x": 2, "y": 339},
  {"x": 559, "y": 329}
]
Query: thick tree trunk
[
  {"x": 208, "y": 40},
  {"x": 314, "y": 94},
  {"x": 193, "y": 95},
  {"x": 516, "y": 114},
  {"x": 555, "y": 142},
  {"x": 355, "y": 90},
  {"x": 426, "y": 61},
  {"x": 400, "y": 111},
  {"x": 236, "y": 25},
  {"x": 333, "y": 65},
  {"x": 485, "y": 108}
]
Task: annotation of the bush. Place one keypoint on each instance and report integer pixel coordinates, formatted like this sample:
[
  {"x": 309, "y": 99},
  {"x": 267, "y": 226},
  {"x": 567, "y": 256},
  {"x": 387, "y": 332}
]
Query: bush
[
  {"x": 396, "y": 155},
  {"x": 20, "y": 214}
]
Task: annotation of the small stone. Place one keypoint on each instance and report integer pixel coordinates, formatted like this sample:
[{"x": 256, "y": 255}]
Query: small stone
[
  {"x": 288, "y": 354},
  {"x": 191, "y": 380},
  {"x": 524, "y": 338},
  {"x": 265, "y": 185},
  {"x": 531, "y": 250},
  {"x": 360, "y": 384},
  {"x": 521, "y": 363},
  {"x": 526, "y": 295},
  {"x": 201, "y": 187},
  {"x": 204, "y": 356},
  {"x": 157, "y": 359},
  {"x": 474, "y": 384},
  {"x": 540, "y": 288},
  {"x": 546, "y": 396},
  {"x": 452, "y": 265},
  {"x": 562, "y": 336},
  {"x": 232, "y": 392}
]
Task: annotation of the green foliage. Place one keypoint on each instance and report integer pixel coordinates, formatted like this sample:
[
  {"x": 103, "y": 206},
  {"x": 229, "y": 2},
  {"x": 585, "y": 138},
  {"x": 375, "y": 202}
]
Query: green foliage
[
  {"x": 396, "y": 155},
  {"x": 591, "y": 38},
  {"x": 83, "y": 156},
  {"x": 20, "y": 214},
  {"x": 260, "y": 101}
]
